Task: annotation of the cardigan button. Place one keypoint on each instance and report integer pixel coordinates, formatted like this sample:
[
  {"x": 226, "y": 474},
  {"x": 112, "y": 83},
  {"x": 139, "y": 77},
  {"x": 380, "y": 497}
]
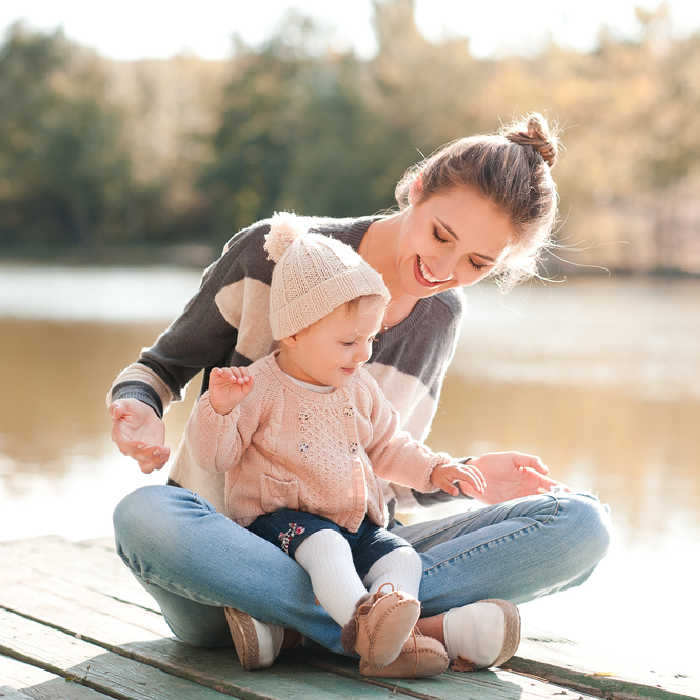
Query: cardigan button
[{"x": 348, "y": 411}]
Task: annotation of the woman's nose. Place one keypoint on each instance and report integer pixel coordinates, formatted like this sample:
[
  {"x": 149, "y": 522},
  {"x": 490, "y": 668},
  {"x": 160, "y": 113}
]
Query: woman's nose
[{"x": 442, "y": 268}]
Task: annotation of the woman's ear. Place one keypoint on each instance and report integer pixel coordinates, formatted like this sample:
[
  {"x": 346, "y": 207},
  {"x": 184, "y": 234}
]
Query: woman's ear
[{"x": 416, "y": 189}]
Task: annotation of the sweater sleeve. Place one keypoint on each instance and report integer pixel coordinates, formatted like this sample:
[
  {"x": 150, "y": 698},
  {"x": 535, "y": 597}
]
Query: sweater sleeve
[
  {"x": 216, "y": 442},
  {"x": 394, "y": 454},
  {"x": 201, "y": 337}
]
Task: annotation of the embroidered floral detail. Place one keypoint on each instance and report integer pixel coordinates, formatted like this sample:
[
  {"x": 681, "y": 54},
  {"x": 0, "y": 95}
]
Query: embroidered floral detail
[
  {"x": 348, "y": 411},
  {"x": 353, "y": 448},
  {"x": 304, "y": 447},
  {"x": 286, "y": 537}
]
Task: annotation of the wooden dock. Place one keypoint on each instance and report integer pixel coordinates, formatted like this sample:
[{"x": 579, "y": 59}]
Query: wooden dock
[{"x": 75, "y": 625}]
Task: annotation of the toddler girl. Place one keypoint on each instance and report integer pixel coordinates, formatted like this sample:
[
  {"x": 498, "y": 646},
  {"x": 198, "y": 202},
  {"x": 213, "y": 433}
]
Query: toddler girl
[{"x": 301, "y": 433}]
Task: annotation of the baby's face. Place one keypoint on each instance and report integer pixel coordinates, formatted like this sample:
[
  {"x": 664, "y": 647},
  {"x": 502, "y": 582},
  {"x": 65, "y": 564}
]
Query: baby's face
[{"x": 330, "y": 351}]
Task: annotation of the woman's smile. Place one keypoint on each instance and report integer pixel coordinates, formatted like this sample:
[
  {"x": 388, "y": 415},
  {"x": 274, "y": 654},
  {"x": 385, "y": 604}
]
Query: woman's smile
[{"x": 425, "y": 277}]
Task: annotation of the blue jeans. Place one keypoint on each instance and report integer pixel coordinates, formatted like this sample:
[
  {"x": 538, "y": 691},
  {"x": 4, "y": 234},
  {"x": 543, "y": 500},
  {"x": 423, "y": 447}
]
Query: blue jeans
[{"x": 194, "y": 561}]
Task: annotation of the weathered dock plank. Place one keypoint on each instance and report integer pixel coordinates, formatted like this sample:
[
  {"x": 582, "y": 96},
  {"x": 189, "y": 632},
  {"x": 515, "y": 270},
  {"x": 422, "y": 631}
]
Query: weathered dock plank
[
  {"x": 96, "y": 566},
  {"x": 23, "y": 681},
  {"x": 213, "y": 673},
  {"x": 305, "y": 671},
  {"x": 81, "y": 608},
  {"x": 591, "y": 670},
  {"x": 89, "y": 665},
  {"x": 81, "y": 591},
  {"x": 600, "y": 684},
  {"x": 12, "y": 694}
]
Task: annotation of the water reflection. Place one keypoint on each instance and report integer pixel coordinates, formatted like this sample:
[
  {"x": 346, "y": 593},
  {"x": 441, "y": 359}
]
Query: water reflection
[
  {"x": 636, "y": 453},
  {"x": 57, "y": 374}
]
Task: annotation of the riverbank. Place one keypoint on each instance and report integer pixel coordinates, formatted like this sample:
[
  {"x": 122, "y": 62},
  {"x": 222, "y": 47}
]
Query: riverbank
[{"x": 199, "y": 255}]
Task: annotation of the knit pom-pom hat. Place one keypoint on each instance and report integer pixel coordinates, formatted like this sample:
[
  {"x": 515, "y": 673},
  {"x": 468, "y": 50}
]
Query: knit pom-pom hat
[{"x": 313, "y": 276}]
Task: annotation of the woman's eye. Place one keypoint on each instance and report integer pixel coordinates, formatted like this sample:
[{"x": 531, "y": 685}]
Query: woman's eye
[
  {"x": 347, "y": 343},
  {"x": 476, "y": 265},
  {"x": 437, "y": 236}
]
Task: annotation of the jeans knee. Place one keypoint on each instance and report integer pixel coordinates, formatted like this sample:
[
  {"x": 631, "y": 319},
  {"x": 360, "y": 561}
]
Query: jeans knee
[
  {"x": 204, "y": 638},
  {"x": 207, "y": 630},
  {"x": 589, "y": 519},
  {"x": 131, "y": 514},
  {"x": 140, "y": 525}
]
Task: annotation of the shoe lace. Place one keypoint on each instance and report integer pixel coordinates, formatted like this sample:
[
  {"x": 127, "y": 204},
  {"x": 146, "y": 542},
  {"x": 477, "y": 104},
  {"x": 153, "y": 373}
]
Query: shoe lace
[
  {"x": 379, "y": 591},
  {"x": 414, "y": 634}
]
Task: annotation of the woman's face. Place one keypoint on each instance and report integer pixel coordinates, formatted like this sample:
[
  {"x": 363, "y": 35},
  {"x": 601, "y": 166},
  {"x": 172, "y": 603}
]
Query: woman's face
[{"x": 450, "y": 239}]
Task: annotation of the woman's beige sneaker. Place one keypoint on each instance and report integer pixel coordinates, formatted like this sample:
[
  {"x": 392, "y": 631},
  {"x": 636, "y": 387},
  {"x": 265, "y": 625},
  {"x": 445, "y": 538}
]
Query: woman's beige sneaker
[
  {"x": 482, "y": 634},
  {"x": 257, "y": 643}
]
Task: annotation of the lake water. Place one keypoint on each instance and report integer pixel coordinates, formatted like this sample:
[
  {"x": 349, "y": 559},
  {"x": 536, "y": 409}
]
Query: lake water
[{"x": 600, "y": 378}]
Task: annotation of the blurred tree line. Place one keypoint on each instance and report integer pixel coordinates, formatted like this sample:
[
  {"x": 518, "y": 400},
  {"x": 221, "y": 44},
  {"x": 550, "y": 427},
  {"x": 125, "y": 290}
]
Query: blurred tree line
[{"x": 99, "y": 156}]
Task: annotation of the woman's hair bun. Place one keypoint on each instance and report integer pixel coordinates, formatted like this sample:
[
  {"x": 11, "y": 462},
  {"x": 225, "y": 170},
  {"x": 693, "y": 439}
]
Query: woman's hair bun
[
  {"x": 285, "y": 228},
  {"x": 533, "y": 130}
]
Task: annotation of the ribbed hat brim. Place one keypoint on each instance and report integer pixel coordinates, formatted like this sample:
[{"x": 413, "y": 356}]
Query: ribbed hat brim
[{"x": 324, "y": 298}]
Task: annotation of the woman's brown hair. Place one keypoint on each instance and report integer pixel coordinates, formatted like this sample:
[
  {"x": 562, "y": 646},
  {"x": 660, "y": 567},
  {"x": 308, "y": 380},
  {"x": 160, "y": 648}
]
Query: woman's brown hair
[{"x": 512, "y": 170}]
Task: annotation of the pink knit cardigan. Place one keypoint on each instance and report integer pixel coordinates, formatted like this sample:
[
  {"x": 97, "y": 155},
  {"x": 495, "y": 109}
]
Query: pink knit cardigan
[{"x": 286, "y": 446}]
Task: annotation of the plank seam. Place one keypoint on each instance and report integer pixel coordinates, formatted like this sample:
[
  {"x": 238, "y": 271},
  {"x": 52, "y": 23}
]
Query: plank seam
[
  {"x": 370, "y": 681},
  {"x": 67, "y": 675},
  {"x": 230, "y": 689},
  {"x": 213, "y": 683},
  {"x": 613, "y": 688}
]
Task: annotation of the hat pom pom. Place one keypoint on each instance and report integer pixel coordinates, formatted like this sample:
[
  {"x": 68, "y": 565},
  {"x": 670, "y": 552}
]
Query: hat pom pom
[{"x": 284, "y": 230}]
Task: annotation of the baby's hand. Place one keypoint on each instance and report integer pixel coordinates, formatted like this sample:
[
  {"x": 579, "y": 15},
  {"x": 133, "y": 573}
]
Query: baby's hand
[
  {"x": 228, "y": 386},
  {"x": 470, "y": 480}
]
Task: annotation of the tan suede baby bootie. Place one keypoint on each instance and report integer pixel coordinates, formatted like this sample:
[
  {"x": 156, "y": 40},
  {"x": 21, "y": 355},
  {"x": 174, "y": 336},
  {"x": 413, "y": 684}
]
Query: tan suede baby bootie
[
  {"x": 420, "y": 657},
  {"x": 380, "y": 626}
]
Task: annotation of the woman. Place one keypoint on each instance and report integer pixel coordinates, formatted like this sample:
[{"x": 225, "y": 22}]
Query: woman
[{"x": 481, "y": 206}]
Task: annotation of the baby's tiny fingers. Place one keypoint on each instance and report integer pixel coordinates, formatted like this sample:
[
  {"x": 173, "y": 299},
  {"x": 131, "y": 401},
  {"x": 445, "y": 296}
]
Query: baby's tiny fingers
[
  {"x": 451, "y": 487},
  {"x": 240, "y": 375}
]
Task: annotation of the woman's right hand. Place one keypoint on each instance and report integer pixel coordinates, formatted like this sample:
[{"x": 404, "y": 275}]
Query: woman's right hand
[{"x": 139, "y": 433}]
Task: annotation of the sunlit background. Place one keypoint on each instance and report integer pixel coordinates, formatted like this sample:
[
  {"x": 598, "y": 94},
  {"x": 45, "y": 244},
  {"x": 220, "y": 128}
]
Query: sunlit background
[{"x": 136, "y": 138}]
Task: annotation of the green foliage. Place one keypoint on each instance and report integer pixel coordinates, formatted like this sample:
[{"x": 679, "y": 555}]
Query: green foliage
[
  {"x": 294, "y": 124},
  {"x": 296, "y": 133},
  {"x": 64, "y": 176}
]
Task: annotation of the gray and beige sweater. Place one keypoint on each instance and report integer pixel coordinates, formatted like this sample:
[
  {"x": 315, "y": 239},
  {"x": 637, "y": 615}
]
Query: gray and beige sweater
[{"x": 225, "y": 324}]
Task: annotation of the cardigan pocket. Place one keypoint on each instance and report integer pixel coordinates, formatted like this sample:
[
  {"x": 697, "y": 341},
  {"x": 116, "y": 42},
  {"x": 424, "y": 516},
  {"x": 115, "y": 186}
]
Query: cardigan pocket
[{"x": 278, "y": 493}]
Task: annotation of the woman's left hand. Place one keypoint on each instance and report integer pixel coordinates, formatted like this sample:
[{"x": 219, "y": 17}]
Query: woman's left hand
[
  {"x": 513, "y": 475},
  {"x": 453, "y": 478}
]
